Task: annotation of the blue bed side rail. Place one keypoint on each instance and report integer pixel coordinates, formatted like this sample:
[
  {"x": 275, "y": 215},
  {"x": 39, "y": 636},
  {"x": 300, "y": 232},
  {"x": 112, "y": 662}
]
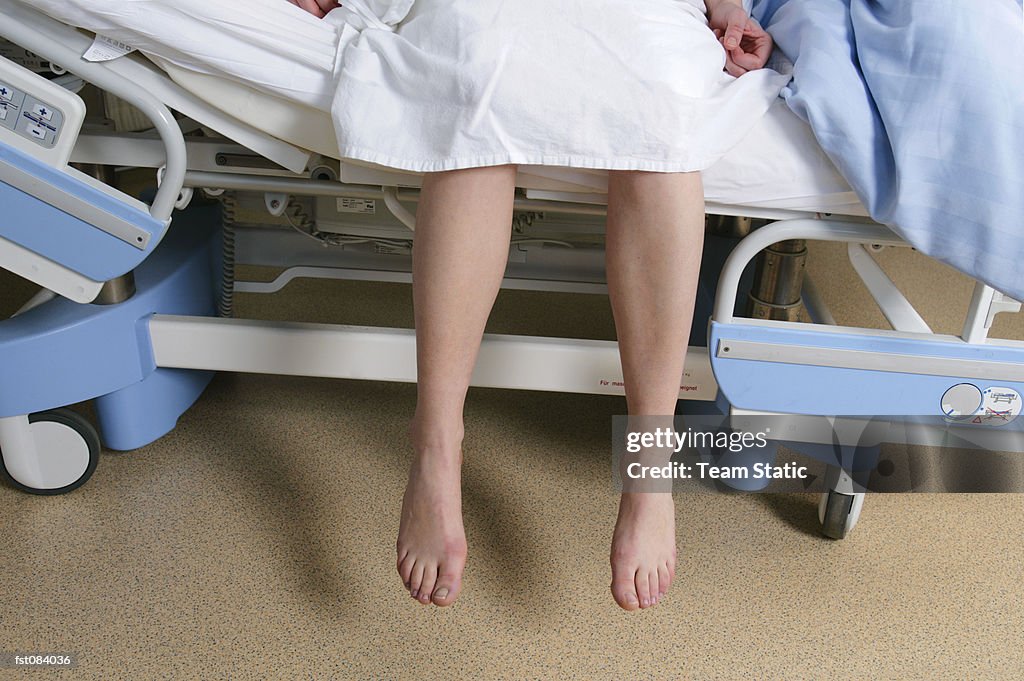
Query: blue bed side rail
[
  {"x": 793, "y": 384},
  {"x": 55, "y": 234}
]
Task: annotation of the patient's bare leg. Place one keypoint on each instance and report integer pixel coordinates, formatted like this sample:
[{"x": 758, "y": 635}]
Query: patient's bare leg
[
  {"x": 463, "y": 226},
  {"x": 654, "y": 239}
]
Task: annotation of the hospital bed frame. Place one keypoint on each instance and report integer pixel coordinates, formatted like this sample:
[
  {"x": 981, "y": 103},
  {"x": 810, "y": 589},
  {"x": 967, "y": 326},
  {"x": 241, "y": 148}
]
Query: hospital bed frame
[{"x": 148, "y": 355}]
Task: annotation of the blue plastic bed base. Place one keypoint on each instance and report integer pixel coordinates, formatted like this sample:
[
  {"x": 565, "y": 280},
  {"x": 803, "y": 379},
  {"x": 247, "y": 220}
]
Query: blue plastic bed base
[
  {"x": 802, "y": 389},
  {"x": 62, "y": 238},
  {"x": 61, "y": 352},
  {"x": 146, "y": 411}
]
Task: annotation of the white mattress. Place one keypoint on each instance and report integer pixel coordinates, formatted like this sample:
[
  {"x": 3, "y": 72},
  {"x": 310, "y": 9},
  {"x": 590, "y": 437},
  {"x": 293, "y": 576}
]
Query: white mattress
[{"x": 777, "y": 166}]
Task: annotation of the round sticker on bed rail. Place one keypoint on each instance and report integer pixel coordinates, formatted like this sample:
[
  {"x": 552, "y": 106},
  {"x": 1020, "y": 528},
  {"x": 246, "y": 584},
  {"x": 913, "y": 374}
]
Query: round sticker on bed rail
[{"x": 962, "y": 401}]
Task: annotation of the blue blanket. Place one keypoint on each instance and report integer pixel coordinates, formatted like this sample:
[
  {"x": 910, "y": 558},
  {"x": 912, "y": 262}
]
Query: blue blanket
[{"x": 920, "y": 104}]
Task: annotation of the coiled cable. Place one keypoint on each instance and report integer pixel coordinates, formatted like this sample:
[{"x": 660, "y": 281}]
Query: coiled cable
[{"x": 228, "y": 214}]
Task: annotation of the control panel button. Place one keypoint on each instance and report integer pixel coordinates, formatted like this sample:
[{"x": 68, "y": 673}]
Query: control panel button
[
  {"x": 43, "y": 112},
  {"x": 37, "y": 131},
  {"x": 11, "y": 101}
]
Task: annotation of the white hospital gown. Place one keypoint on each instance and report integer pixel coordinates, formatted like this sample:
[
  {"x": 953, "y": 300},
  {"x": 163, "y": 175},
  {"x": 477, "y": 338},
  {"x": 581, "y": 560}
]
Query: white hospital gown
[{"x": 429, "y": 85}]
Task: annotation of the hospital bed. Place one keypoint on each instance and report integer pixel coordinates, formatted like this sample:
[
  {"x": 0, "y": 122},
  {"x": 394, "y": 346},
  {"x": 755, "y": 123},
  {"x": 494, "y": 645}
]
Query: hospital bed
[{"x": 135, "y": 311}]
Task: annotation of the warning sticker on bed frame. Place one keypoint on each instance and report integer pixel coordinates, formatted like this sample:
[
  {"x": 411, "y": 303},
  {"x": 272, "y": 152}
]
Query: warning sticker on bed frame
[
  {"x": 361, "y": 206},
  {"x": 105, "y": 49},
  {"x": 999, "y": 407}
]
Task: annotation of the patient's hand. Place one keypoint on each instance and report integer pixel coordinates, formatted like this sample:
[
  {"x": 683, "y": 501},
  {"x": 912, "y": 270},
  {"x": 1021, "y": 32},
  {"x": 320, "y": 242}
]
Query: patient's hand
[
  {"x": 747, "y": 45},
  {"x": 318, "y": 8}
]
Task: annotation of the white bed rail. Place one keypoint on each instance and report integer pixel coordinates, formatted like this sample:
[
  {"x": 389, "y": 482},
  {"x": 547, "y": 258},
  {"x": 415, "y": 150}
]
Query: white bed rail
[
  {"x": 850, "y": 231},
  {"x": 985, "y": 304}
]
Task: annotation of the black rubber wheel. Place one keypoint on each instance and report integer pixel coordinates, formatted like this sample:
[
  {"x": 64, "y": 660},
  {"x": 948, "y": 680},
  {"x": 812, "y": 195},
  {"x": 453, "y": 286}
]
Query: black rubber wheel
[
  {"x": 85, "y": 430},
  {"x": 837, "y": 511}
]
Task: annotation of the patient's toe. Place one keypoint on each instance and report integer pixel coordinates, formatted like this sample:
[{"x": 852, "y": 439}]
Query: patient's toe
[
  {"x": 624, "y": 589},
  {"x": 664, "y": 580},
  {"x": 405, "y": 570},
  {"x": 653, "y": 582},
  {"x": 449, "y": 583},
  {"x": 642, "y": 588},
  {"x": 427, "y": 586},
  {"x": 416, "y": 580}
]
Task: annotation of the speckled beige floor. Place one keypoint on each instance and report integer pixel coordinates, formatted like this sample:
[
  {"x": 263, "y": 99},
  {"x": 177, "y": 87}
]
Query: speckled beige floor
[{"x": 256, "y": 541}]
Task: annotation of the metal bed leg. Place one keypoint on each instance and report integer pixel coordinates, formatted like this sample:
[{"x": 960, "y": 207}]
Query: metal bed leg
[
  {"x": 778, "y": 279},
  {"x": 732, "y": 226},
  {"x": 117, "y": 290}
]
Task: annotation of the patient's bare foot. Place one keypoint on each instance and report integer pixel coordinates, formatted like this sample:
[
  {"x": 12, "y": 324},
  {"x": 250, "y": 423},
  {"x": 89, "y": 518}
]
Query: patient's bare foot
[
  {"x": 643, "y": 549},
  {"x": 431, "y": 538}
]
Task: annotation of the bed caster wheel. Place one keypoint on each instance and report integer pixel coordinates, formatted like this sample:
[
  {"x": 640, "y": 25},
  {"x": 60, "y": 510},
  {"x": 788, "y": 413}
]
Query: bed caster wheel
[
  {"x": 838, "y": 513},
  {"x": 67, "y": 449}
]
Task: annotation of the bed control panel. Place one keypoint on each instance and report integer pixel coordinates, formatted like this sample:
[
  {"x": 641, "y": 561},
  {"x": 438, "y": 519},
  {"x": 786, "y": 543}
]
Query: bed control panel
[
  {"x": 38, "y": 116},
  {"x": 30, "y": 117}
]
